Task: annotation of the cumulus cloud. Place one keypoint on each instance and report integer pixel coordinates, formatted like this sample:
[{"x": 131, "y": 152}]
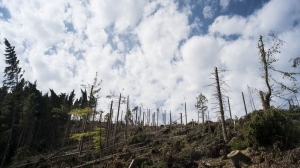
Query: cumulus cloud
[
  {"x": 208, "y": 12},
  {"x": 146, "y": 49},
  {"x": 224, "y": 4},
  {"x": 260, "y": 22}
]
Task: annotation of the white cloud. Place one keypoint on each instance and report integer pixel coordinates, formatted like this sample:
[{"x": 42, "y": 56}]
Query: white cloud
[
  {"x": 228, "y": 25},
  {"x": 145, "y": 48},
  {"x": 208, "y": 12},
  {"x": 260, "y": 22},
  {"x": 224, "y": 4}
]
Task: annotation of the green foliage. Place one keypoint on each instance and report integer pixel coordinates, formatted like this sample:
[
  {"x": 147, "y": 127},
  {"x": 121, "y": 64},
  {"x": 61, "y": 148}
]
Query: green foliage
[
  {"x": 177, "y": 144},
  {"x": 201, "y": 104},
  {"x": 140, "y": 137},
  {"x": 265, "y": 128},
  {"x": 196, "y": 155},
  {"x": 95, "y": 134},
  {"x": 81, "y": 112},
  {"x": 12, "y": 72},
  {"x": 239, "y": 144},
  {"x": 191, "y": 137}
]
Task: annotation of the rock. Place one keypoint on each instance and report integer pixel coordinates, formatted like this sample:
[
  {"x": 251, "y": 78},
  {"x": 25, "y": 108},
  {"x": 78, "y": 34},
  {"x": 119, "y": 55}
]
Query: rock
[{"x": 238, "y": 158}]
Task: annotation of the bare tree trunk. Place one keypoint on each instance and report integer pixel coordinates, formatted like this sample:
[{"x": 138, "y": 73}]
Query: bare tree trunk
[
  {"x": 244, "y": 103},
  {"x": 157, "y": 120},
  {"x": 202, "y": 116},
  {"x": 185, "y": 113},
  {"x": 100, "y": 135},
  {"x": 108, "y": 124},
  {"x": 229, "y": 108},
  {"x": 117, "y": 124},
  {"x": 221, "y": 107},
  {"x": 267, "y": 98},
  {"x": 83, "y": 131},
  {"x": 170, "y": 120},
  {"x": 198, "y": 119},
  {"x": 181, "y": 120},
  {"x": 126, "y": 117},
  {"x": 251, "y": 99},
  {"x": 143, "y": 123}
]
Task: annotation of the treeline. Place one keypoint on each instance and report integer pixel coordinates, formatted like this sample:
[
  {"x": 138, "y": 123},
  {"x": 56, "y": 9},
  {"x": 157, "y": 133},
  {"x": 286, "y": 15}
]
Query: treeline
[{"x": 32, "y": 122}]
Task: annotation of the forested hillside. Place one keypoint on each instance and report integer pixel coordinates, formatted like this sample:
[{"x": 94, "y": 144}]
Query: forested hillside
[{"x": 67, "y": 130}]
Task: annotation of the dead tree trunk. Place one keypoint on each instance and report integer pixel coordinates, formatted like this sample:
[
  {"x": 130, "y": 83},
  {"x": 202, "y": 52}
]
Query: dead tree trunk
[
  {"x": 83, "y": 131},
  {"x": 100, "y": 136},
  {"x": 117, "y": 124},
  {"x": 121, "y": 126},
  {"x": 108, "y": 124},
  {"x": 244, "y": 103},
  {"x": 170, "y": 120},
  {"x": 181, "y": 120},
  {"x": 126, "y": 118},
  {"x": 221, "y": 106},
  {"x": 251, "y": 99},
  {"x": 157, "y": 120},
  {"x": 265, "y": 99},
  {"x": 185, "y": 114},
  {"x": 229, "y": 108}
]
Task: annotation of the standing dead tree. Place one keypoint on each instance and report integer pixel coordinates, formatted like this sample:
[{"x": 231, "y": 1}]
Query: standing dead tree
[
  {"x": 229, "y": 107},
  {"x": 244, "y": 103},
  {"x": 221, "y": 106},
  {"x": 218, "y": 95},
  {"x": 267, "y": 61}
]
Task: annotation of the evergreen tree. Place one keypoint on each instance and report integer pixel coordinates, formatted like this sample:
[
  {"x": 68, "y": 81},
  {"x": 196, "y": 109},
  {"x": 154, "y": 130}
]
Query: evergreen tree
[
  {"x": 12, "y": 72},
  {"x": 201, "y": 105}
]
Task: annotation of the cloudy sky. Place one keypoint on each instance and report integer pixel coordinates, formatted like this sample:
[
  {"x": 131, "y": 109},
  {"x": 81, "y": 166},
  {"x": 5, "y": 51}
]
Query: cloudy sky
[{"x": 159, "y": 52}]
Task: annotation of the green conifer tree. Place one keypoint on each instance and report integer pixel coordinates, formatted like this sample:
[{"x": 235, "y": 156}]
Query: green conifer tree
[{"x": 12, "y": 72}]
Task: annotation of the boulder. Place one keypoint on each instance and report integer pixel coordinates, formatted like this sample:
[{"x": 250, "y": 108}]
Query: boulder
[{"x": 238, "y": 158}]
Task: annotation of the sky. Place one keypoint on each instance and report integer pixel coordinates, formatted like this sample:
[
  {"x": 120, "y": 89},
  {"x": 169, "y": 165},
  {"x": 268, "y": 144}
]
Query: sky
[{"x": 159, "y": 52}]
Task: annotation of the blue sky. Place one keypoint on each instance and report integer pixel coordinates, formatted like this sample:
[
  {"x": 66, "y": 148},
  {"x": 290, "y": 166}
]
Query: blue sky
[{"x": 160, "y": 52}]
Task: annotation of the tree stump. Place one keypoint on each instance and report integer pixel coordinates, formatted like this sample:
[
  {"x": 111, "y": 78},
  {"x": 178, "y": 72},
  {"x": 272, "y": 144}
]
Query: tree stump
[{"x": 237, "y": 158}]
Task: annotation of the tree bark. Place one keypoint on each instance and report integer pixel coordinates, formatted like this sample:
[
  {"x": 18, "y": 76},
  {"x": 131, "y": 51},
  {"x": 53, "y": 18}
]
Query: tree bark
[
  {"x": 221, "y": 107},
  {"x": 267, "y": 98},
  {"x": 229, "y": 108},
  {"x": 117, "y": 124},
  {"x": 185, "y": 114},
  {"x": 244, "y": 103}
]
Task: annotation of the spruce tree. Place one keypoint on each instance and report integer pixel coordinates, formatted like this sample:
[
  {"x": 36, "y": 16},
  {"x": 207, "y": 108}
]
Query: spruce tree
[{"x": 12, "y": 73}]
